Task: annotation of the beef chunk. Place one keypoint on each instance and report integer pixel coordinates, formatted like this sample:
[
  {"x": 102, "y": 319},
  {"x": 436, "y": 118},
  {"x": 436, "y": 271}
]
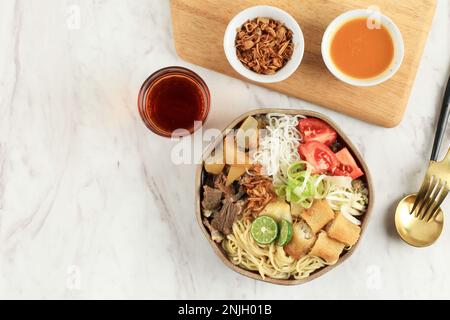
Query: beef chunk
[
  {"x": 223, "y": 221},
  {"x": 216, "y": 235},
  {"x": 212, "y": 198},
  {"x": 220, "y": 184}
]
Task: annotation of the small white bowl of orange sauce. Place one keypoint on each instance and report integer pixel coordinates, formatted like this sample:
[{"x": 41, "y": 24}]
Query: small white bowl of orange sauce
[{"x": 363, "y": 48}]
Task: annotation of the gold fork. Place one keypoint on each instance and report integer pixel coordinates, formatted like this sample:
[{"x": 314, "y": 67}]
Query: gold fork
[
  {"x": 435, "y": 186},
  {"x": 418, "y": 218},
  {"x": 434, "y": 190}
]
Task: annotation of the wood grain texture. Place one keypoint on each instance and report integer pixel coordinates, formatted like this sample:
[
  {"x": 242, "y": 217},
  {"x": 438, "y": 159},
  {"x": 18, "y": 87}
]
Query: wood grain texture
[
  {"x": 346, "y": 142},
  {"x": 199, "y": 27}
]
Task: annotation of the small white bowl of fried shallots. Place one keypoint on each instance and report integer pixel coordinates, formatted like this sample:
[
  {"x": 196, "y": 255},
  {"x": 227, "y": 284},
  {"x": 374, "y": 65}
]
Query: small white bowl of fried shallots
[{"x": 264, "y": 44}]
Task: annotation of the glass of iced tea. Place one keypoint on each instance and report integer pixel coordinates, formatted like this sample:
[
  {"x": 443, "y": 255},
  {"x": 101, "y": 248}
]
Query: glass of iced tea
[{"x": 174, "y": 101}]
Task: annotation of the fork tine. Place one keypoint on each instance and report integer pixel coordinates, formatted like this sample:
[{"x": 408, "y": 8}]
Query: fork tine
[
  {"x": 425, "y": 201},
  {"x": 429, "y": 197},
  {"x": 442, "y": 195},
  {"x": 420, "y": 196},
  {"x": 430, "y": 201}
]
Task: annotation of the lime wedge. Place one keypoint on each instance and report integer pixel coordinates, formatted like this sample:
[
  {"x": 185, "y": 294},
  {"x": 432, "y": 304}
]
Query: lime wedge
[
  {"x": 286, "y": 232},
  {"x": 264, "y": 230}
]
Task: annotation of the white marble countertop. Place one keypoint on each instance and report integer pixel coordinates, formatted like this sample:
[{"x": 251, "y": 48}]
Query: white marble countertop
[{"x": 91, "y": 206}]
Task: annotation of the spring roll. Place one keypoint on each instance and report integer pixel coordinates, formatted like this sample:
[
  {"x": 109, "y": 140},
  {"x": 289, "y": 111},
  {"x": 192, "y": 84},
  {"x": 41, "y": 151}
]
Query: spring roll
[
  {"x": 302, "y": 241},
  {"x": 326, "y": 248},
  {"x": 318, "y": 216},
  {"x": 343, "y": 230}
]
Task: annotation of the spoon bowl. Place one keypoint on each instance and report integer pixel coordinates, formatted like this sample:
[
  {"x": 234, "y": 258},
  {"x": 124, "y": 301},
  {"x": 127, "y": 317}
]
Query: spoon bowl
[{"x": 415, "y": 231}]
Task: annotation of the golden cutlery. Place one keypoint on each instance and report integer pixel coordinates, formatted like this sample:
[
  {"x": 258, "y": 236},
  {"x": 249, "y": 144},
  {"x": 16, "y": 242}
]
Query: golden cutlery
[{"x": 419, "y": 219}]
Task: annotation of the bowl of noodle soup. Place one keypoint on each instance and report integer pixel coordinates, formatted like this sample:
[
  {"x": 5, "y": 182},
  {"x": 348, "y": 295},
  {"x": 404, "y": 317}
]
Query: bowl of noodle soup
[{"x": 232, "y": 195}]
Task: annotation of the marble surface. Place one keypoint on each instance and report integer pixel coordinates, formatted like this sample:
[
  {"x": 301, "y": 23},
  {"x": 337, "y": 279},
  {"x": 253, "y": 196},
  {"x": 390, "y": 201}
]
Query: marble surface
[{"x": 91, "y": 205}]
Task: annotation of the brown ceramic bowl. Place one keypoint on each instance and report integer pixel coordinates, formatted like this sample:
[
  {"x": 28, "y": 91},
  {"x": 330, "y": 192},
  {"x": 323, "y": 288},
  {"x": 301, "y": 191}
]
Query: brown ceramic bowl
[{"x": 218, "y": 249}]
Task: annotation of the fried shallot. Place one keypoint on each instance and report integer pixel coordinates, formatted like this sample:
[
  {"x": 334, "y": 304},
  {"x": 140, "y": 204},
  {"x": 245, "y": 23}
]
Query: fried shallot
[
  {"x": 259, "y": 189},
  {"x": 264, "y": 45}
]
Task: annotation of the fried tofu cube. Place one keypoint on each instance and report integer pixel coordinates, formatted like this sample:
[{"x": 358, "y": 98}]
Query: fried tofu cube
[
  {"x": 296, "y": 210},
  {"x": 343, "y": 230},
  {"x": 318, "y": 215},
  {"x": 302, "y": 241},
  {"x": 326, "y": 248},
  {"x": 278, "y": 210}
]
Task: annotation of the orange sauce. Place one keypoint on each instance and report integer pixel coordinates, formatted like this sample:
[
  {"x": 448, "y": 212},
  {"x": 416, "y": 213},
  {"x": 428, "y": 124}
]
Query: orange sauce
[{"x": 361, "y": 52}]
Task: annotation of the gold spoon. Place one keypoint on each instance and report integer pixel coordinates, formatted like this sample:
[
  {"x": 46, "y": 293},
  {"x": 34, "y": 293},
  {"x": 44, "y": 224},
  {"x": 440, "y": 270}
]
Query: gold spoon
[
  {"x": 414, "y": 231},
  {"x": 419, "y": 219}
]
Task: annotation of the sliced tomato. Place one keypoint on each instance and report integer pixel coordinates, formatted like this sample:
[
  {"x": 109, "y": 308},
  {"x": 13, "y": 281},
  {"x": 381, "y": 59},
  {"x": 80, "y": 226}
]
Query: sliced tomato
[
  {"x": 317, "y": 130},
  {"x": 319, "y": 156},
  {"x": 347, "y": 165}
]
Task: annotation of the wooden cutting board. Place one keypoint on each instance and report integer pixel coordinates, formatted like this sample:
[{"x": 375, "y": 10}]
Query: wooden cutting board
[{"x": 199, "y": 27}]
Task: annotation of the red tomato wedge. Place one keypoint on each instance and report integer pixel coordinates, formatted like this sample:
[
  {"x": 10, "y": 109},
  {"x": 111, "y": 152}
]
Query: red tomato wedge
[
  {"x": 317, "y": 130},
  {"x": 347, "y": 165},
  {"x": 319, "y": 156}
]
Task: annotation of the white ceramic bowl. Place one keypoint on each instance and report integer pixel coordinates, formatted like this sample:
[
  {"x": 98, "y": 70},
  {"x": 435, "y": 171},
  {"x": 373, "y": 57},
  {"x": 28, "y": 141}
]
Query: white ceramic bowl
[
  {"x": 399, "y": 49},
  {"x": 265, "y": 12}
]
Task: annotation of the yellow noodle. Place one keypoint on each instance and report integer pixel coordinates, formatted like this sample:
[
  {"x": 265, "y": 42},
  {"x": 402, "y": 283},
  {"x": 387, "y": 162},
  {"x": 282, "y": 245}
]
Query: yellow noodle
[{"x": 269, "y": 260}]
